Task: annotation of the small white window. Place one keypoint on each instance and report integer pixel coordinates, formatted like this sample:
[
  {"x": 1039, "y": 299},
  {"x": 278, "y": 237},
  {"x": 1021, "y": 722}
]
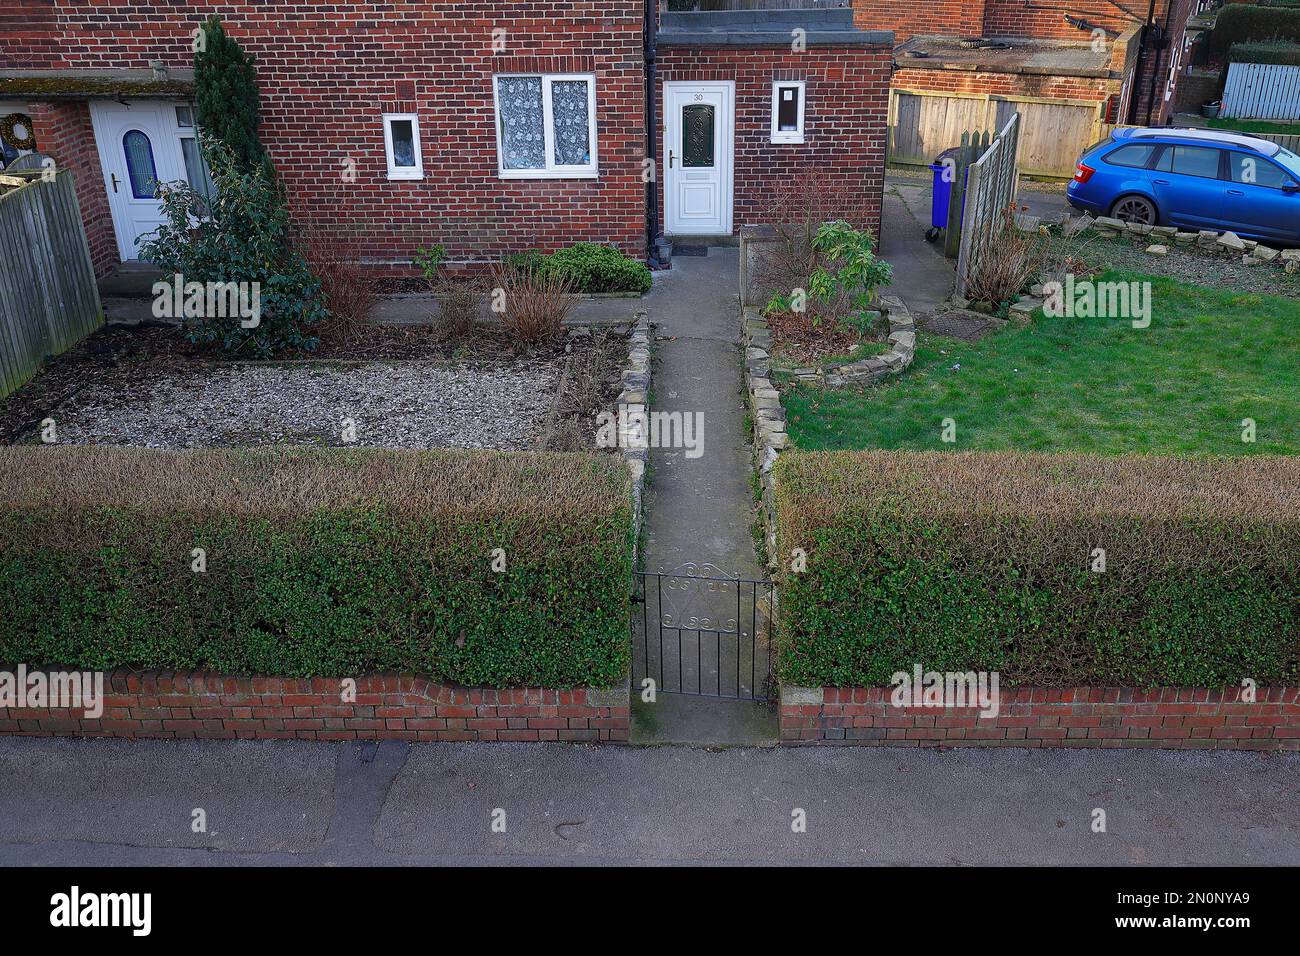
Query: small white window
[
  {"x": 402, "y": 144},
  {"x": 546, "y": 125},
  {"x": 787, "y": 111}
]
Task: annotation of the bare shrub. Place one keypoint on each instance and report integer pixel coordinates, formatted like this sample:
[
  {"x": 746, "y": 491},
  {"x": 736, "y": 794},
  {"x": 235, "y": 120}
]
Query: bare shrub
[
  {"x": 536, "y": 302},
  {"x": 326, "y": 234},
  {"x": 1007, "y": 262}
]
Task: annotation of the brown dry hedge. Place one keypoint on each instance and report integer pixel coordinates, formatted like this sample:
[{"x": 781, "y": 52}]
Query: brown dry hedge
[
  {"x": 979, "y": 561},
  {"x": 322, "y": 562}
]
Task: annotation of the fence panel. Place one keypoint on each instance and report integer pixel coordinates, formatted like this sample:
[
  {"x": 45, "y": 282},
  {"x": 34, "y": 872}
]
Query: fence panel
[
  {"x": 990, "y": 189},
  {"x": 1267, "y": 91},
  {"x": 48, "y": 296}
]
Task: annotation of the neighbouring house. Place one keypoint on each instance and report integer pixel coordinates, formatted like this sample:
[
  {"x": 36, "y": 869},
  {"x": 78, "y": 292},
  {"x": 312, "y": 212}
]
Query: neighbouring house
[
  {"x": 1070, "y": 70},
  {"x": 489, "y": 127}
]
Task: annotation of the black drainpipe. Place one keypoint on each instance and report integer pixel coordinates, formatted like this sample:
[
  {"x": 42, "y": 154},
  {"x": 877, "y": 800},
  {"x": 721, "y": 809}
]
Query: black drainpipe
[
  {"x": 651, "y": 131},
  {"x": 1137, "y": 67}
]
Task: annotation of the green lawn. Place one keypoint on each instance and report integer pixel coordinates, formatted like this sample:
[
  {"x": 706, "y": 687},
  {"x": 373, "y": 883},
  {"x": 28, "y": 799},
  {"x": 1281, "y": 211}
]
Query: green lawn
[
  {"x": 1209, "y": 359},
  {"x": 1256, "y": 126}
]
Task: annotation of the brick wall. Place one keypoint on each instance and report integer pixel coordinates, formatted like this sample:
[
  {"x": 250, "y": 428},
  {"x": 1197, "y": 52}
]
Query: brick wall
[
  {"x": 1178, "y": 718},
  {"x": 328, "y": 71},
  {"x": 386, "y": 706},
  {"x": 1006, "y": 84},
  {"x": 846, "y": 106},
  {"x": 64, "y": 133},
  {"x": 907, "y": 17}
]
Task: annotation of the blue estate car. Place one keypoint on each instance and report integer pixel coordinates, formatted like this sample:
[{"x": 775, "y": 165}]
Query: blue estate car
[{"x": 1193, "y": 179}]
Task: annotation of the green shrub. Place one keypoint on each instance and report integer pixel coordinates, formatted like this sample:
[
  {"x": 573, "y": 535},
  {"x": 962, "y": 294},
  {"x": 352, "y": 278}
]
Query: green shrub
[
  {"x": 984, "y": 562},
  {"x": 243, "y": 234},
  {"x": 1238, "y": 23},
  {"x": 327, "y": 562},
  {"x": 1265, "y": 51},
  {"x": 588, "y": 267}
]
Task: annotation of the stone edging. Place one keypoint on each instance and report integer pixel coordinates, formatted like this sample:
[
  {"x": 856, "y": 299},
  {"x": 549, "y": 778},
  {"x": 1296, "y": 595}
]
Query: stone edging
[
  {"x": 866, "y": 371},
  {"x": 1227, "y": 244},
  {"x": 635, "y": 398},
  {"x": 768, "y": 416}
]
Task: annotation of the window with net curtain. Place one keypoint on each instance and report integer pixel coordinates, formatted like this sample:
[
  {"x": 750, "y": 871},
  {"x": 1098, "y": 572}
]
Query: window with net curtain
[{"x": 546, "y": 125}]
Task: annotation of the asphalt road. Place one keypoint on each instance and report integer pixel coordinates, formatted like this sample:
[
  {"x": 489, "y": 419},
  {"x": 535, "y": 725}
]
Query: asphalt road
[{"x": 109, "y": 802}]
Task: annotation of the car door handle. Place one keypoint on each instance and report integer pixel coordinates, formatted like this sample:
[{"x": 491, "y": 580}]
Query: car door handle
[
  {"x": 1161, "y": 182},
  {"x": 1235, "y": 192}
]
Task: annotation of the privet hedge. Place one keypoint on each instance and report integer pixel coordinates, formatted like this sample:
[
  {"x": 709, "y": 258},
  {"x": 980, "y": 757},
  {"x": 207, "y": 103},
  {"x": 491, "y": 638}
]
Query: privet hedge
[
  {"x": 984, "y": 562},
  {"x": 318, "y": 562}
]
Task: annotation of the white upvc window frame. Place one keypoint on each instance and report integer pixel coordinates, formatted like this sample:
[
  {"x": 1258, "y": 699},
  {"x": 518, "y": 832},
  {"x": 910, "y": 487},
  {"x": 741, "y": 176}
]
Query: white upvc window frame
[
  {"x": 403, "y": 172},
  {"x": 788, "y": 136},
  {"x": 552, "y": 170}
]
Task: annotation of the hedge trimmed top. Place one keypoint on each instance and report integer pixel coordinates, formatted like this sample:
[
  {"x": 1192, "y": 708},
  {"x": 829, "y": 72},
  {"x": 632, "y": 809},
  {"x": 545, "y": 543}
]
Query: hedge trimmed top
[{"x": 989, "y": 562}]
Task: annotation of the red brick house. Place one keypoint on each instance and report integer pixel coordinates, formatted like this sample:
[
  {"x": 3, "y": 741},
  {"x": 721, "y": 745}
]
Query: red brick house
[
  {"x": 490, "y": 127},
  {"x": 1068, "y": 68}
]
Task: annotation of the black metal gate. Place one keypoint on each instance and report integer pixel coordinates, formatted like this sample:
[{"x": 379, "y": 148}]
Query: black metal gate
[{"x": 697, "y": 630}]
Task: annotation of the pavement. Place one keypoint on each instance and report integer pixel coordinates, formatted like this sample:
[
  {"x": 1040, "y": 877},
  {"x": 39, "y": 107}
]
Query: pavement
[{"x": 113, "y": 802}]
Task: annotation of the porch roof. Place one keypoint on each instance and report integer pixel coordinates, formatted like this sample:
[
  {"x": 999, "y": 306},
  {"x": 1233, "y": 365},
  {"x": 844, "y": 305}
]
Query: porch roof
[
  {"x": 94, "y": 84},
  {"x": 766, "y": 28}
]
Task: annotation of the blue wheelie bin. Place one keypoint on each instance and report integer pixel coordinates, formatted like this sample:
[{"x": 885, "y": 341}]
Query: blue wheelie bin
[{"x": 941, "y": 194}]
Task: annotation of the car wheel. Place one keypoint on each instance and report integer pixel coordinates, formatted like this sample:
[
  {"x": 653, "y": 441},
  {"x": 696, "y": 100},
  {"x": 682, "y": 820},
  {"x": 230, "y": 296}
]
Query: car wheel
[{"x": 1134, "y": 209}]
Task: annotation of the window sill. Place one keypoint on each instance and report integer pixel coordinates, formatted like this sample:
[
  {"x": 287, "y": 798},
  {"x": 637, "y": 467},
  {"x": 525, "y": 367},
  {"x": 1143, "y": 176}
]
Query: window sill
[
  {"x": 548, "y": 174},
  {"x": 405, "y": 177},
  {"x": 787, "y": 140}
]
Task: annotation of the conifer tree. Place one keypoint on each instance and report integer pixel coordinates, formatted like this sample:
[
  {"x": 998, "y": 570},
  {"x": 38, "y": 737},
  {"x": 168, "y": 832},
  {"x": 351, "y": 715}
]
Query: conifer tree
[{"x": 226, "y": 95}]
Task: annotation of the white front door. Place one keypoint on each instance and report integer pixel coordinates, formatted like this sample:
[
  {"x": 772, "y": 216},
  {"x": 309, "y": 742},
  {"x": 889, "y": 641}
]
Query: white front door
[
  {"x": 698, "y": 122},
  {"x": 138, "y": 148}
]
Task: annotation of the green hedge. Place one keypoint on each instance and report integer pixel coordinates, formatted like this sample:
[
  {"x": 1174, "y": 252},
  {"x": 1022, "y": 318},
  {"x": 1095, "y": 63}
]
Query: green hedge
[
  {"x": 330, "y": 562},
  {"x": 981, "y": 562},
  {"x": 589, "y": 267},
  {"x": 1265, "y": 51},
  {"x": 1239, "y": 23}
]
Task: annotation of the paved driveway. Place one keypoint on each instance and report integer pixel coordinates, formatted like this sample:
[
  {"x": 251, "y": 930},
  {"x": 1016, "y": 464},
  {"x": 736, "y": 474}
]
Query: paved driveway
[{"x": 101, "y": 802}]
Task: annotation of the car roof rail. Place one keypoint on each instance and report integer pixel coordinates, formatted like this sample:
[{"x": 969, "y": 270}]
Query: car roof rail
[{"x": 1219, "y": 137}]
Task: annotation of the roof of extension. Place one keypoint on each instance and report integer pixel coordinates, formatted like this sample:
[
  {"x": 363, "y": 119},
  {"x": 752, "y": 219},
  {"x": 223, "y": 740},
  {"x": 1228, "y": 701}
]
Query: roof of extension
[
  {"x": 1004, "y": 55},
  {"x": 94, "y": 84}
]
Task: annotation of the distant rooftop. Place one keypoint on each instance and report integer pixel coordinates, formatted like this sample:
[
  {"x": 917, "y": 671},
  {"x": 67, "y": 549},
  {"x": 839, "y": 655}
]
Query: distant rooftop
[{"x": 1004, "y": 55}]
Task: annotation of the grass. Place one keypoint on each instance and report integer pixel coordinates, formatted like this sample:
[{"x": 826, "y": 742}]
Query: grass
[
  {"x": 1256, "y": 126},
  {"x": 1209, "y": 359}
]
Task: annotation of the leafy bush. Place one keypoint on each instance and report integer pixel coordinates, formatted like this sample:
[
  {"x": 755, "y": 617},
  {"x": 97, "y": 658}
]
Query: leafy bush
[
  {"x": 587, "y": 266},
  {"x": 985, "y": 561},
  {"x": 1265, "y": 51},
  {"x": 326, "y": 562},
  {"x": 1238, "y": 23},
  {"x": 243, "y": 233}
]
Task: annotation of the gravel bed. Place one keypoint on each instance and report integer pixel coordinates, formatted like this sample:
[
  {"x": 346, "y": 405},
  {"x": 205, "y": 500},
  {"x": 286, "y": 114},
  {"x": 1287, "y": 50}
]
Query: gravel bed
[
  {"x": 399, "y": 404},
  {"x": 1184, "y": 263}
]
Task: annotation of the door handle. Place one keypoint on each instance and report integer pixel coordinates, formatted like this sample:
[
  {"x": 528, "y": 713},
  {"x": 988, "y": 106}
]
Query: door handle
[
  {"x": 114, "y": 177},
  {"x": 1161, "y": 182},
  {"x": 670, "y": 159},
  {"x": 1235, "y": 192}
]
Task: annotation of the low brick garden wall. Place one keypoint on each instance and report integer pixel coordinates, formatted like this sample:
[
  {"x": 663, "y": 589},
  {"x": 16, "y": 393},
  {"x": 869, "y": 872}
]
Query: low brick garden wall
[
  {"x": 1106, "y": 717},
  {"x": 202, "y": 705}
]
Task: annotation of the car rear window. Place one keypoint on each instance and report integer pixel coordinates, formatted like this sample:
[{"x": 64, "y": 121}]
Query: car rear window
[
  {"x": 1190, "y": 161},
  {"x": 1136, "y": 154}
]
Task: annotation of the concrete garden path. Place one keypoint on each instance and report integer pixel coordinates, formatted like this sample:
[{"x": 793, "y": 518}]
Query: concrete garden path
[{"x": 700, "y": 509}]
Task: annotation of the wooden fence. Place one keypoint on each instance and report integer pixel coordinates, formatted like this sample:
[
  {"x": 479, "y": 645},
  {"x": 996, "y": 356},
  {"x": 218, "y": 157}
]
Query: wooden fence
[
  {"x": 48, "y": 297},
  {"x": 1265, "y": 91},
  {"x": 990, "y": 188},
  {"x": 1053, "y": 132}
]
